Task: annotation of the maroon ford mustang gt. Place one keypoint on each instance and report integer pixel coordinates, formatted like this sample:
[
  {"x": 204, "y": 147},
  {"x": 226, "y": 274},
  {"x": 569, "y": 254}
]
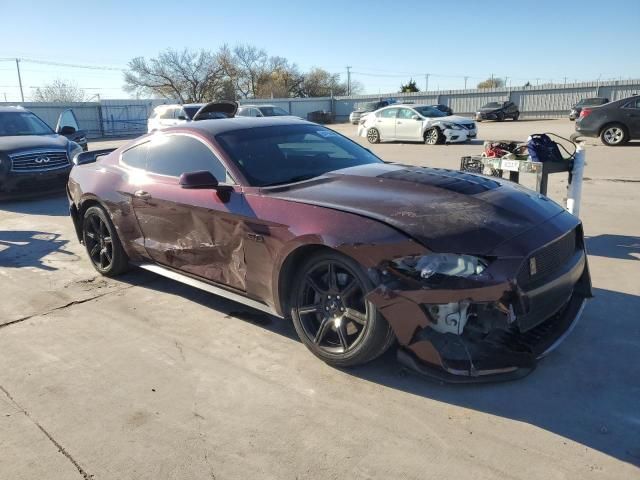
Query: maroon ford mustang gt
[{"x": 476, "y": 278}]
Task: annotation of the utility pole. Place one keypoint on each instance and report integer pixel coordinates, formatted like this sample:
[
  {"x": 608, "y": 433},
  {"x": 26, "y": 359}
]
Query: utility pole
[
  {"x": 465, "y": 82},
  {"x": 426, "y": 82},
  {"x": 19, "y": 78},
  {"x": 348, "y": 80},
  {"x": 565, "y": 81},
  {"x": 492, "y": 84}
]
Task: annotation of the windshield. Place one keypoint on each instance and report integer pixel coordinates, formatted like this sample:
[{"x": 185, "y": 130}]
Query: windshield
[
  {"x": 284, "y": 154},
  {"x": 430, "y": 112},
  {"x": 492, "y": 105},
  {"x": 22, "y": 123},
  {"x": 273, "y": 111},
  {"x": 191, "y": 111}
]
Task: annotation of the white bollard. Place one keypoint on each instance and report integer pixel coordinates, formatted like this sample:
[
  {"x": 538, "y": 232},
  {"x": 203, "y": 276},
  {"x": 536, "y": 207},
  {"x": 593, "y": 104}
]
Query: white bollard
[{"x": 574, "y": 189}]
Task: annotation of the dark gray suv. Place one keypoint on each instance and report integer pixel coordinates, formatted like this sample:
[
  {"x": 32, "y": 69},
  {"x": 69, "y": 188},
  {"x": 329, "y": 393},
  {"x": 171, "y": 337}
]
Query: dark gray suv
[{"x": 615, "y": 122}]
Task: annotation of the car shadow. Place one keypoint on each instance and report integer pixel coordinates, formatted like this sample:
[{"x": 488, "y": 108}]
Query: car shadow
[
  {"x": 587, "y": 391},
  {"x": 53, "y": 204},
  {"x": 19, "y": 249},
  {"x": 624, "y": 247}
]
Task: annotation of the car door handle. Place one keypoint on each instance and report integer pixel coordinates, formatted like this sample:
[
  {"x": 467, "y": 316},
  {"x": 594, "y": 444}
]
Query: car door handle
[{"x": 142, "y": 194}]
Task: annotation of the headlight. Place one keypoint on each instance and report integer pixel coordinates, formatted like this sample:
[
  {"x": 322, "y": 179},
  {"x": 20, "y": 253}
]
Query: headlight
[
  {"x": 74, "y": 149},
  {"x": 451, "y": 126},
  {"x": 448, "y": 264}
]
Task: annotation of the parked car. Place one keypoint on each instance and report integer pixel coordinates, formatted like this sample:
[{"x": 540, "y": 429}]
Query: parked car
[
  {"x": 416, "y": 123},
  {"x": 367, "y": 107},
  {"x": 586, "y": 102},
  {"x": 444, "y": 108},
  {"x": 498, "y": 111},
  {"x": 164, "y": 116},
  {"x": 261, "y": 111},
  {"x": 473, "y": 276},
  {"x": 33, "y": 157},
  {"x": 615, "y": 122}
]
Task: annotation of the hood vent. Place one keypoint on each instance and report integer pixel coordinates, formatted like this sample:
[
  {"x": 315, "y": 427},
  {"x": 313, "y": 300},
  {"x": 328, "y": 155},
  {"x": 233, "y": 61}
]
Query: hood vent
[{"x": 459, "y": 182}]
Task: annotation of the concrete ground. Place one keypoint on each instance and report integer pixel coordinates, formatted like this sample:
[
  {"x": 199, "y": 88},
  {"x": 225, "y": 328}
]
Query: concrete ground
[{"x": 143, "y": 378}]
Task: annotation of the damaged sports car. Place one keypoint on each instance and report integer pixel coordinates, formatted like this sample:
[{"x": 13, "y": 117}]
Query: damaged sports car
[{"x": 474, "y": 278}]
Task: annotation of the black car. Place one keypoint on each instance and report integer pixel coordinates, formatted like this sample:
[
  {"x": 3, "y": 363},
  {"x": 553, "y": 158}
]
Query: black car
[
  {"x": 498, "y": 111},
  {"x": 615, "y": 122},
  {"x": 586, "y": 102},
  {"x": 443, "y": 108},
  {"x": 33, "y": 157}
]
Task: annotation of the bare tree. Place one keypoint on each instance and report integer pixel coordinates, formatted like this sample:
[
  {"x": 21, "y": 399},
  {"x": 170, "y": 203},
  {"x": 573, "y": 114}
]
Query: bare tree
[
  {"x": 59, "y": 91},
  {"x": 188, "y": 76},
  {"x": 491, "y": 83},
  {"x": 320, "y": 83}
]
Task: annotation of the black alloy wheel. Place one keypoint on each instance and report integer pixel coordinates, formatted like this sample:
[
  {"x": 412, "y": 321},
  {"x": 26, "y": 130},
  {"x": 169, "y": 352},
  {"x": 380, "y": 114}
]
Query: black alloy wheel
[
  {"x": 102, "y": 243},
  {"x": 333, "y": 317}
]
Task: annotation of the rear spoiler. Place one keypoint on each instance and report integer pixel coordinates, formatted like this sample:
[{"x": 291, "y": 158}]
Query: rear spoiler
[{"x": 90, "y": 157}]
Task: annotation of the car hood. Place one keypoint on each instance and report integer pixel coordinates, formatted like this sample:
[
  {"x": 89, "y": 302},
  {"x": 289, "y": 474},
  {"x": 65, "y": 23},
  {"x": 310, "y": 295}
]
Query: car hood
[
  {"x": 17, "y": 143},
  {"x": 445, "y": 210},
  {"x": 454, "y": 119},
  {"x": 489, "y": 109}
]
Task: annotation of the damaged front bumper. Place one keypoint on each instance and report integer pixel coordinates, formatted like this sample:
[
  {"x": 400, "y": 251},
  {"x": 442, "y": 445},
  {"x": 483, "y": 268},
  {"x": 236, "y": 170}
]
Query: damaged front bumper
[{"x": 505, "y": 331}]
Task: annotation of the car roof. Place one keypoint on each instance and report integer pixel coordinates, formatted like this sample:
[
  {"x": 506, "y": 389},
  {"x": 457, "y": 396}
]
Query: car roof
[
  {"x": 175, "y": 105},
  {"x": 12, "y": 108},
  {"x": 213, "y": 127},
  {"x": 256, "y": 106}
]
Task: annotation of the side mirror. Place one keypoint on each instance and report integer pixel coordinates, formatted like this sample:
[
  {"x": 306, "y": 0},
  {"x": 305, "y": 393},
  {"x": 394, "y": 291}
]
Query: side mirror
[
  {"x": 182, "y": 117},
  {"x": 66, "y": 130},
  {"x": 200, "y": 179},
  {"x": 416, "y": 117}
]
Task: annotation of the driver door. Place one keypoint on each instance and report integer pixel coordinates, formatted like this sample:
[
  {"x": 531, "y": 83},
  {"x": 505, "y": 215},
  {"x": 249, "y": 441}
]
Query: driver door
[
  {"x": 195, "y": 231},
  {"x": 407, "y": 127}
]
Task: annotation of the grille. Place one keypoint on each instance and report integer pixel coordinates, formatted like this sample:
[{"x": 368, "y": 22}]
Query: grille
[
  {"x": 38, "y": 161},
  {"x": 545, "y": 261}
]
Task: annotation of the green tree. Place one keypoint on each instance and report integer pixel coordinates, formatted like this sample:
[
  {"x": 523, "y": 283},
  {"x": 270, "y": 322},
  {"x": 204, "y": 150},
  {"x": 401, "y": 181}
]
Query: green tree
[{"x": 410, "y": 87}]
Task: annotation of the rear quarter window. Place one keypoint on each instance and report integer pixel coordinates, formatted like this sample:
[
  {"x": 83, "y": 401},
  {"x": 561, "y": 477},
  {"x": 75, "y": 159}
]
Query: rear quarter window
[{"x": 136, "y": 156}]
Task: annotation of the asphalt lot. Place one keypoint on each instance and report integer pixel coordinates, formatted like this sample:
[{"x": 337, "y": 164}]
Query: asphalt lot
[{"x": 143, "y": 378}]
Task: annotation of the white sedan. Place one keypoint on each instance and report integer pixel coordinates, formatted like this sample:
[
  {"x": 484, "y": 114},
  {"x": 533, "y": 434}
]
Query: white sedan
[{"x": 418, "y": 123}]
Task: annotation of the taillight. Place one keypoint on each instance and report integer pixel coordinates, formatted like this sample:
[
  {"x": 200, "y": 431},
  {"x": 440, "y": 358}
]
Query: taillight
[{"x": 585, "y": 112}]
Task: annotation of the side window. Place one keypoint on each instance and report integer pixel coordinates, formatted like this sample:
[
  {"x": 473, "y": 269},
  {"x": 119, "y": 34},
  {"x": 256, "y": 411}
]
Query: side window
[
  {"x": 255, "y": 112},
  {"x": 178, "y": 154},
  {"x": 136, "y": 157},
  {"x": 389, "y": 113},
  {"x": 242, "y": 112},
  {"x": 405, "y": 113},
  {"x": 179, "y": 114},
  {"x": 633, "y": 104}
]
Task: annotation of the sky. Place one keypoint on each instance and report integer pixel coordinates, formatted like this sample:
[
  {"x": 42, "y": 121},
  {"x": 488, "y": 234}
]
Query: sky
[{"x": 385, "y": 42}]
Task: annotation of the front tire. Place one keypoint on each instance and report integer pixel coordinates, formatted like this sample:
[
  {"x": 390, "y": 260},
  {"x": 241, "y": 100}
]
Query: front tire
[
  {"x": 516, "y": 116},
  {"x": 331, "y": 314},
  {"x": 102, "y": 243},
  {"x": 614, "y": 134},
  {"x": 433, "y": 136},
  {"x": 373, "y": 135},
  {"x": 500, "y": 117}
]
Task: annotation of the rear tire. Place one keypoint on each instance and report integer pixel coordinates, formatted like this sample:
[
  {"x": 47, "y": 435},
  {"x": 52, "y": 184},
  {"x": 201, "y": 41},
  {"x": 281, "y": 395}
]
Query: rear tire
[
  {"x": 516, "y": 116},
  {"x": 102, "y": 243},
  {"x": 331, "y": 315},
  {"x": 614, "y": 134},
  {"x": 373, "y": 135}
]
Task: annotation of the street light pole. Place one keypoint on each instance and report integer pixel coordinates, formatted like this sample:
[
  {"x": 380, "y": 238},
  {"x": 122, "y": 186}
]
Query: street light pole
[
  {"x": 19, "y": 79},
  {"x": 348, "y": 80}
]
